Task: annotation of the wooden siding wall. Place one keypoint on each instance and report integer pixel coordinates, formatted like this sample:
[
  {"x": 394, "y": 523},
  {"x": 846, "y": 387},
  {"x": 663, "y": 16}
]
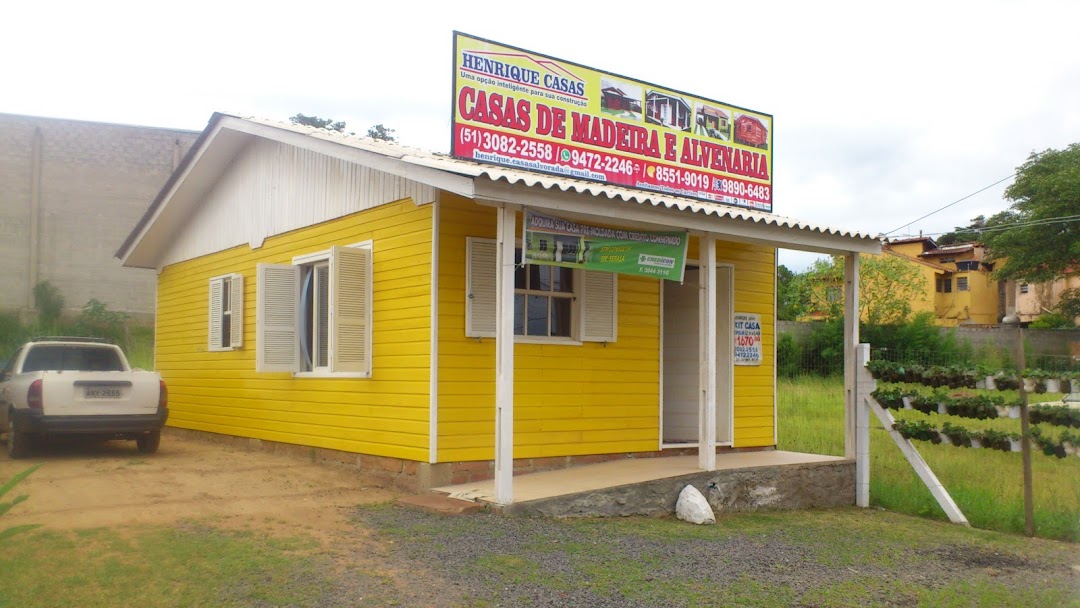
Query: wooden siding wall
[
  {"x": 273, "y": 188},
  {"x": 569, "y": 399},
  {"x": 755, "y": 272},
  {"x": 385, "y": 415}
]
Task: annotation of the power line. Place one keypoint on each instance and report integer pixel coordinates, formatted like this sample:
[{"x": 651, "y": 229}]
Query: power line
[
  {"x": 1040, "y": 222},
  {"x": 950, "y": 205}
]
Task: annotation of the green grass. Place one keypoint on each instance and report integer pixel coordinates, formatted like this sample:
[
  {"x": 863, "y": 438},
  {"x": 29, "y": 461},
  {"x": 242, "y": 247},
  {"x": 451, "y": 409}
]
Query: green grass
[
  {"x": 987, "y": 485},
  {"x": 830, "y": 558},
  {"x": 184, "y": 566}
]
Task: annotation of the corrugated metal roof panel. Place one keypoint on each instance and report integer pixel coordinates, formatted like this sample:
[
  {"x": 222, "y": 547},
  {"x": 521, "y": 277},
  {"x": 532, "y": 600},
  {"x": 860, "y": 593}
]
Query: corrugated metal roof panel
[{"x": 444, "y": 162}]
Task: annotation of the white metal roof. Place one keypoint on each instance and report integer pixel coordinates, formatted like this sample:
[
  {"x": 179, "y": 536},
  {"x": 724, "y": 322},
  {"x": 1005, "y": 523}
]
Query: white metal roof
[
  {"x": 445, "y": 162},
  {"x": 426, "y": 166}
]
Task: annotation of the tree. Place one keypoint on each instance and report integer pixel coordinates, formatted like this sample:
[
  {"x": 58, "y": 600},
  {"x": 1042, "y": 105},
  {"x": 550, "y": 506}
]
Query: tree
[
  {"x": 1038, "y": 238},
  {"x": 792, "y": 297},
  {"x": 381, "y": 132},
  {"x": 888, "y": 285},
  {"x": 318, "y": 123},
  {"x": 964, "y": 234},
  {"x": 1069, "y": 304}
]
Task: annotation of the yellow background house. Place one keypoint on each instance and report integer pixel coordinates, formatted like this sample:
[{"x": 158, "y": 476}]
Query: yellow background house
[
  {"x": 356, "y": 296},
  {"x": 958, "y": 281}
]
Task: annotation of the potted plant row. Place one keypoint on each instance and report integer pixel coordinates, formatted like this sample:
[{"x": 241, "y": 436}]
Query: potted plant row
[
  {"x": 965, "y": 405},
  {"x": 951, "y": 434},
  {"x": 1042, "y": 381},
  {"x": 1055, "y": 415}
]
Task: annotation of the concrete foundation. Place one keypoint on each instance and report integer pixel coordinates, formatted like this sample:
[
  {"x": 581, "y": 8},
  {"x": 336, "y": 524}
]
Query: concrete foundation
[{"x": 810, "y": 485}]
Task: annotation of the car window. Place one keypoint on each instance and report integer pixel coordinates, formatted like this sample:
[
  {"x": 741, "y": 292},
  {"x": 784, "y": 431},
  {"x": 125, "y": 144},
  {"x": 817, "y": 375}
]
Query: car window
[{"x": 72, "y": 358}]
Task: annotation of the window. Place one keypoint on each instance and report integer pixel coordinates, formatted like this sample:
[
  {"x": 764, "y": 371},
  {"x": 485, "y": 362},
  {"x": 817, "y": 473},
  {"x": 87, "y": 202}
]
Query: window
[
  {"x": 947, "y": 260},
  {"x": 944, "y": 285},
  {"x": 550, "y": 302},
  {"x": 968, "y": 265},
  {"x": 226, "y": 312},
  {"x": 1023, "y": 288},
  {"x": 833, "y": 294},
  {"x": 961, "y": 283},
  {"x": 314, "y": 316},
  {"x": 543, "y": 300}
]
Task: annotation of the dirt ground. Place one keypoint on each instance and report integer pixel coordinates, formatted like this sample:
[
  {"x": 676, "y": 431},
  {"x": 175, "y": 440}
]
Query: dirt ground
[{"x": 94, "y": 484}]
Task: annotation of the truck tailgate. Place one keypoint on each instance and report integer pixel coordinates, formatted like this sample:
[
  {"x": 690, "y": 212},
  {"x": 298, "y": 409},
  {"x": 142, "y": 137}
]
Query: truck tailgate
[{"x": 73, "y": 393}]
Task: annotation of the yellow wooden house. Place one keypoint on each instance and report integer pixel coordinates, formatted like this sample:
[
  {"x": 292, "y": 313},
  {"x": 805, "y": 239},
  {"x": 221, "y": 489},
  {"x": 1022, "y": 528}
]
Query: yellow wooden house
[
  {"x": 959, "y": 287},
  {"x": 362, "y": 297}
]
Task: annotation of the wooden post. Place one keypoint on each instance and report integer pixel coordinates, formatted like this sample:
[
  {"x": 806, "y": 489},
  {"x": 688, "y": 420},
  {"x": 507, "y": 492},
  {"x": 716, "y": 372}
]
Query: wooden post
[
  {"x": 863, "y": 387},
  {"x": 707, "y": 376},
  {"x": 1025, "y": 440},
  {"x": 851, "y": 342},
  {"x": 504, "y": 357}
]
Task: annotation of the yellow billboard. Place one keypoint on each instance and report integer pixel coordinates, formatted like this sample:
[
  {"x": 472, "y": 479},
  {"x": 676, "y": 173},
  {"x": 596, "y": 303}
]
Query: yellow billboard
[{"x": 520, "y": 109}]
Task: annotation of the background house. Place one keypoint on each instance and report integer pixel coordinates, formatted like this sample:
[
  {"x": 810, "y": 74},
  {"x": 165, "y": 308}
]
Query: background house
[
  {"x": 70, "y": 191},
  {"x": 958, "y": 277},
  {"x": 1033, "y": 300}
]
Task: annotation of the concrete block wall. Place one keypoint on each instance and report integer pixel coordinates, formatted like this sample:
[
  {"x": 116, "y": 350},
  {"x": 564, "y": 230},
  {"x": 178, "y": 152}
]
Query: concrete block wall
[{"x": 70, "y": 192}]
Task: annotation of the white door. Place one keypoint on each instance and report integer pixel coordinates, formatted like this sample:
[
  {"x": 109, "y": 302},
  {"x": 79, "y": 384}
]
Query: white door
[{"x": 682, "y": 359}]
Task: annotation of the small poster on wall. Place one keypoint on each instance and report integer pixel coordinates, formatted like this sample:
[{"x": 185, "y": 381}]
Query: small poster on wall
[{"x": 747, "y": 339}]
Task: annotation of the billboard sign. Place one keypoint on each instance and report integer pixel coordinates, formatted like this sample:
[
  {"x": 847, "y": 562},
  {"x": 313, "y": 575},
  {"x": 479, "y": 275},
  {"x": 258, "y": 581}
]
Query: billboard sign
[
  {"x": 558, "y": 242},
  {"x": 525, "y": 110}
]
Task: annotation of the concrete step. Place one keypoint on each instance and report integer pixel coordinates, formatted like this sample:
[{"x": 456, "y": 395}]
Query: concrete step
[{"x": 440, "y": 503}]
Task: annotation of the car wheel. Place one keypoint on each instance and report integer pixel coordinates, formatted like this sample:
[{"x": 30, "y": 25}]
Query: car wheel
[
  {"x": 148, "y": 443},
  {"x": 17, "y": 446}
]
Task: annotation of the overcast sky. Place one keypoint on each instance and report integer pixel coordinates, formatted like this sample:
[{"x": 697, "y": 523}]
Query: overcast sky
[{"x": 881, "y": 115}]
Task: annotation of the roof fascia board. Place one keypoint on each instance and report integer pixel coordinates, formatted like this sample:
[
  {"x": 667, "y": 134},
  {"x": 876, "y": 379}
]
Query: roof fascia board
[
  {"x": 440, "y": 179},
  {"x": 166, "y": 194},
  {"x": 733, "y": 229}
]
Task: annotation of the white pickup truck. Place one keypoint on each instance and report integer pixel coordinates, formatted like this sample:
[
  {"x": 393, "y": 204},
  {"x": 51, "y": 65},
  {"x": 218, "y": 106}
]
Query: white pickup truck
[{"x": 83, "y": 386}]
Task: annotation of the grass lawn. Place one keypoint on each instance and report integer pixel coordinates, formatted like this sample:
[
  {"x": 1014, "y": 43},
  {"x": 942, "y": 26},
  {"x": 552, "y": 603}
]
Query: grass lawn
[
  {"x": 836, "y": 558},
  {"x": 987, "y": 485}
]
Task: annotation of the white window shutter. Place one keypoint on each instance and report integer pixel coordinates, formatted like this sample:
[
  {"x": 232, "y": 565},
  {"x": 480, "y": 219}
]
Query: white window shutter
[
  {"x": 480, "y": 274},
  {"x": 214, "y": 340},
  {"x": 236, "y": 311},
  {"x": 350, "y": 312},
  {"x": 276, "y": 317},
  {"x": 599, "y": 312}
]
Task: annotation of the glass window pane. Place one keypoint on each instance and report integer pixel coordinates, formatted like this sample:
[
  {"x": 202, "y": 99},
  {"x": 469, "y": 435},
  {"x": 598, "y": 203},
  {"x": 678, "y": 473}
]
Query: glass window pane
[
  {"x": 544, "y": 284},
  {"x": 519, "y": 315},
  {"x": 534, "y": 276},
  {"x": 538, "y": 316},
  {"x": 519, "y": 277},
  {"x": 563, "y": 279},
  {"x": 226, "y": 330},
  {"x": 322, "y": 316},
  {"x": 560, "y": 317}
]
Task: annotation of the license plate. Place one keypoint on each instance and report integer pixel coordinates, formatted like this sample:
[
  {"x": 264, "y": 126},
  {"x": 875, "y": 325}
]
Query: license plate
[{"x": 101, "y": 392}]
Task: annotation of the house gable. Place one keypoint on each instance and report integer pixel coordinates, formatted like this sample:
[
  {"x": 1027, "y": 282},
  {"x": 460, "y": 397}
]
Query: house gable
[{"x": 272, "y": 187}]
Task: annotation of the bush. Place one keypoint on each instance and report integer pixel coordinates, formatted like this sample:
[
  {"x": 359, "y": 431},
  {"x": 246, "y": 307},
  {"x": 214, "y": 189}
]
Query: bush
[
  {"x": 1052, "y": 320},
  {"x": 48, "y": 302},
  {"x": 788, "y": 356}
]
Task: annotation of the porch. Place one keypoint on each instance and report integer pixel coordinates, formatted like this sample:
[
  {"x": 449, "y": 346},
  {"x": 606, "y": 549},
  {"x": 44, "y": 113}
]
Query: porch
[{"x": 650, "y": 486}]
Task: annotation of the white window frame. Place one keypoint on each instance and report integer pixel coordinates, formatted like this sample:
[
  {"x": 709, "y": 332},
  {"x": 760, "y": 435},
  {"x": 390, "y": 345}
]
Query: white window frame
[
  {"x": 337, "y": 321},
  {"x": 217, "y": 314},
  {"x": 317, "y": 258},
  {"x": 575, "y": 308}
]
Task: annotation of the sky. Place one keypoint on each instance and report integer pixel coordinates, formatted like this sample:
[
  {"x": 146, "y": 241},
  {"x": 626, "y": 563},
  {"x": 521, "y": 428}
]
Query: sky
[{"x": 883, "y": 112}]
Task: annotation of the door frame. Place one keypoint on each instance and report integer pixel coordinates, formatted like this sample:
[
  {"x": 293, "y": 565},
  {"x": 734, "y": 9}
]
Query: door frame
[{"x": 727, "y": 360}]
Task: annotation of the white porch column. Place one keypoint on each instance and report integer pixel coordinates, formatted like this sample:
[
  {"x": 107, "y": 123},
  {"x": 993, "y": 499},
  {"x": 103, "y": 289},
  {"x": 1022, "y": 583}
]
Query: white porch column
[
  {"x": 707, "y": 376},
  {"x": 504, "y": 357},
  {"x": 863, "y": 386},
  {"x": 851, "y": 342}
]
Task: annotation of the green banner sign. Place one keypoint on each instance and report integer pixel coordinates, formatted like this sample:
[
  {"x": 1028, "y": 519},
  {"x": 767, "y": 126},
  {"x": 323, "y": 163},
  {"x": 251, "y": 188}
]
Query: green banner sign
[{"x": 557, "y": 242}]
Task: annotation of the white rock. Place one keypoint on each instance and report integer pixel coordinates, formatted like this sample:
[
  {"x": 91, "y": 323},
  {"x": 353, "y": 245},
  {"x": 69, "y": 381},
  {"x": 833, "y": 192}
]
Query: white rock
[{"x": 693, "y": 507}]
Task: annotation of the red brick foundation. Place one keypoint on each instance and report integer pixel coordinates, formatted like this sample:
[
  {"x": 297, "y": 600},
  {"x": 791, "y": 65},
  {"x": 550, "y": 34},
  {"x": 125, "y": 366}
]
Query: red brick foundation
[{"x": 415, "y": 476}]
